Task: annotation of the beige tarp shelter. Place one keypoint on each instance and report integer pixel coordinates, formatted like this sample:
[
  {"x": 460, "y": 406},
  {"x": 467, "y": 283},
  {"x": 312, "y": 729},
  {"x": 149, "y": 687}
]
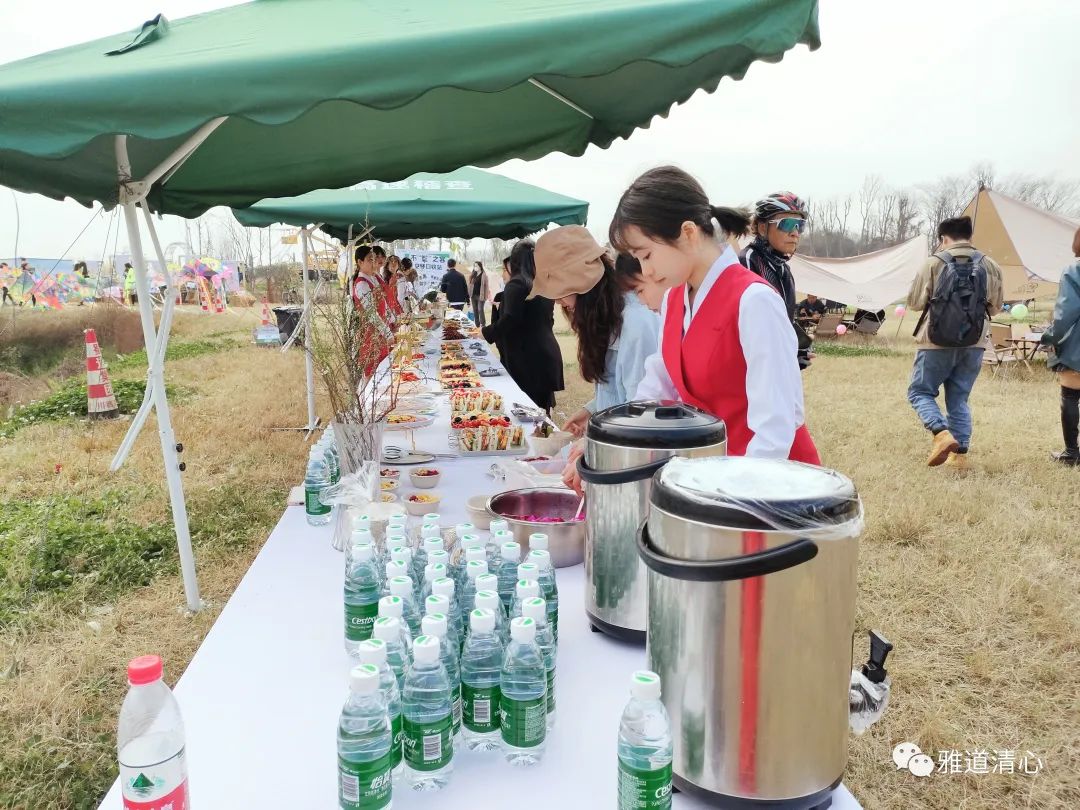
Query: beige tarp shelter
[
  {"x": 871, "y": 281},
  {"x": 1032, "y": 246}
]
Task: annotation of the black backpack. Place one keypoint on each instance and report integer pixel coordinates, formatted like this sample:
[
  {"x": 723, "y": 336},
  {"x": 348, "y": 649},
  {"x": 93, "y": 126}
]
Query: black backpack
[{"x": 957, "y": 309}]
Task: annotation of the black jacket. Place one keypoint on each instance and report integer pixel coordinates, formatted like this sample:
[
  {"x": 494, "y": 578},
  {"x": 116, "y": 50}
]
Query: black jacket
[
  {"x": 456, "y": 288},
  {"x": 525, "y": 336}
]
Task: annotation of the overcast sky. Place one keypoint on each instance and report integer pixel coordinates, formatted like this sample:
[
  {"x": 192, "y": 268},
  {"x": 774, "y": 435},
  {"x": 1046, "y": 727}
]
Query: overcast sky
[{"x": 908, "y": 90}]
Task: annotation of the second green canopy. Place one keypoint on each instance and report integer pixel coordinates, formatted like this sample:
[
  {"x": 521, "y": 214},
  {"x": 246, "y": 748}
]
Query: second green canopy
[{"x": 465, "y": 203}]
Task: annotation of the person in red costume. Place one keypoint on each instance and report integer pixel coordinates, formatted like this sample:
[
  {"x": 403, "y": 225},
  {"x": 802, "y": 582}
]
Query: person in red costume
[
  {"x": 726, "y": 343},
  {"x": 372, "y": 295}
]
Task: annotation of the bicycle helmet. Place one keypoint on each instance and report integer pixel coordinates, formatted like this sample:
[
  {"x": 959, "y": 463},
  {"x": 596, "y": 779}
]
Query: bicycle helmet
[{"x": 783, "y": 202}]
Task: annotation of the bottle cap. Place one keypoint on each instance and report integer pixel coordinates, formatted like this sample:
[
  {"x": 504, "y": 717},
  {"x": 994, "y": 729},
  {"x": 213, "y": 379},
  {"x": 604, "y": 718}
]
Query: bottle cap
[
  {"x": 540, "y": 557},
  {"x": 488, "y": 600},
  {"x": 474, "y": 568},
  {"x": 470, "y": 541},
  {"x": 510, "y": 551},
  {"x": 433, "y": 517},
  {"x": 482, "y": 620},
  {"x": 529, "y": 571},
  {"x": 433, "y": 544},
  {"x": 475, "y": 554},
  {"x": 439, "y": 556},
  {"x": 434, "y": 571},
  {"x": 502, "y": 536},
  {"x": 463, "y": 529},
  {"x": 443, "y": 586},
  {"x": 144, "y": 669},
  {"x": 536, "y": 609},
  {"x": 401, "y": 553},
  {"x": 391, "y": 606},
  {"x": 363, "y": 552},
  {"x": 364, "y": 679},
  {"x": 645, "y": 685},
  {"x": 487, "y": 582},
  {"x": 387, "y": 628},
  {"x": 401, "y": 586},
  {"x": 396, "y": 568},
  {"x": 436, "y": 603},
  {"x": 372, "y": 651},
  {"x": 527, "y": 588},
  {"x": 498, "y": 525},
  {"x": 538, "y": 541},
  {"x": 361, "y": 522},
  {"x": 426, "y": 649},
  {"x": 395, "y": 536},
  {"x": 523, "y": 629},
  {"x": 431, "y": 531},
  {"x": 361, "y": 535},
  {"x": 434, "y": 624}
]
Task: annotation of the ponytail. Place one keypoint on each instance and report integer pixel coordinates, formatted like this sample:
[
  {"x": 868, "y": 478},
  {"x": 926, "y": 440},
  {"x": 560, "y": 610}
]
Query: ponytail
[
  {"x": 522, "y": 261},
  {"x": 661, "y": 200}
]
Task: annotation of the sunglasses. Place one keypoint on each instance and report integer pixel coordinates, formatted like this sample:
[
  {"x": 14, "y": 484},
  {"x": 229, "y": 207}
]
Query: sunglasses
[{"x": 789, "y": 224}]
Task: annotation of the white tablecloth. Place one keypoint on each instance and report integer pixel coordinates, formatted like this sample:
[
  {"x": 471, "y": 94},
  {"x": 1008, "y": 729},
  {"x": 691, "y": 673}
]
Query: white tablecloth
[{"x": 261, "y": 697}]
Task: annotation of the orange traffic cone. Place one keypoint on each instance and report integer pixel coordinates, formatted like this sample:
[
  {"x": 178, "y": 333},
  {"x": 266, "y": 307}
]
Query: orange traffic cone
[
  {"x": 100, "y": 400},
  {"x": 265, "y": 313},
  {"x": 219, "y": 300},
  {"x": 203, "y": 304}
]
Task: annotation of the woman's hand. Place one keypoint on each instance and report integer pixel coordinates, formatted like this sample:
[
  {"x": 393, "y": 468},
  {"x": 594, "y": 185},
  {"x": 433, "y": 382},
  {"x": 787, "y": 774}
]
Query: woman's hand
[
  {"x": 576, "y": 423},
  {"x": 570, "y": 475}
]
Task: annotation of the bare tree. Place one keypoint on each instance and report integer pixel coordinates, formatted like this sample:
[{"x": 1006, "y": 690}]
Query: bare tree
[{"x": 868, "y": 198}]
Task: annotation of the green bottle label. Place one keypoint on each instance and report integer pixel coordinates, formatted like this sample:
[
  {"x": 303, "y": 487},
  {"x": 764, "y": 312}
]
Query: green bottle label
[
  {"x": 398, "y": 736},
  {"x": 480, "y": 708},
  {"x": 553, "y": 620},
  {"x": 427, "y": 745},
  {"x": 312, "y": 504},
  {"x": 551, "y": 690},
  {"x": 523, "y": 722},
  {"x": 360, "y": 621},
  {"x": 644, "y": 790},
  {"x": 455, "y": 710},
  {"x": 364, "y": 785}
]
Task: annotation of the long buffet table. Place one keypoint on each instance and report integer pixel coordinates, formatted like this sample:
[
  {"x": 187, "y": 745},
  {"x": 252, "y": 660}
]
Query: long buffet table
[{"x": 261, "y": 697}]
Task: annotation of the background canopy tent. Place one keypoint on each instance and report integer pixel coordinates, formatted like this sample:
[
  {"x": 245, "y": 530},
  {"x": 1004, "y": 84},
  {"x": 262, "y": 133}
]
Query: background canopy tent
[
  {"x": 261, "y": 100},
  {"x": 1032, "y": 246},
  {"x": 466, "y": 203},
  {"x": 870, "y": 281}
]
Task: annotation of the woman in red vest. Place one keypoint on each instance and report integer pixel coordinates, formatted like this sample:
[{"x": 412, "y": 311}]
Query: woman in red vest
[
  {"x": 371, "y": 295},
  {"x": 726, "y": 343}
]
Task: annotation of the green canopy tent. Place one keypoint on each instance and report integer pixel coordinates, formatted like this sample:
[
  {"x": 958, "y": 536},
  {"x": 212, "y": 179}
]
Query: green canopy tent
[
  {"x": 467, "y": 203},
  {"x": 266, "y": 99}
]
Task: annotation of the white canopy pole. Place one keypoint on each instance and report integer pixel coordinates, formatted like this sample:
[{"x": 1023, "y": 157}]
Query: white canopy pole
[{"x": 309, "y": 370}]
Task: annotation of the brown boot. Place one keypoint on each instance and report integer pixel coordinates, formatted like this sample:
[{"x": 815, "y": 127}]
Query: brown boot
[
  {"x": 958, "y": 461},
  {"x": 944, "y": 443}
]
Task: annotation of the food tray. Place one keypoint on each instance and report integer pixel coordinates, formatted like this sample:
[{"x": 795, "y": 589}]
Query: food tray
[{"x": 455, "y": 445}]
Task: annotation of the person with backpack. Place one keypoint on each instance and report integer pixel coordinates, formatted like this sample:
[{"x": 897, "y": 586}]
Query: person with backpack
[{"x": 958, "y": 290}]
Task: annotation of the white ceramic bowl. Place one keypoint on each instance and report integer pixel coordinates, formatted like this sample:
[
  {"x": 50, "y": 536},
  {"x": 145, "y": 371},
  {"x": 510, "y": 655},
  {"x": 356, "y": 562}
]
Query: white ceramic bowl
[
  {"x": 388, "y": 485},
  {"x": 419, "y": 509},
  {"x": 479, "y": 516},
  {"x": 425, "y": 481}
]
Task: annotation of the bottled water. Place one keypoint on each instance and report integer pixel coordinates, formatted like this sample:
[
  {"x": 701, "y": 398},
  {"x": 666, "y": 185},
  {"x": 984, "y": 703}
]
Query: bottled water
[
  {"x": 445, "y": 587},
  {"x": 330, "y": 455},
  {"x": 542, "y": 558},
  {"x": 441, "y": 604},
  {"x": 404, "y": 555},
  {"x": 644, "y": 747},
  {"x": 535, "y": 608},
  {"x": 481, "y": 671},
  {"x": 538, "y": 541},
  {"x": 394, "y": 568},
  {"x": 443, "y": 558},
  {"x": 433, "y": 517},
  {"x": 316, "y": 479},
  {"x": 388, "y": 631},
  {"x": 489, "y": 600},
  {"x": 429, "y": 719},
  {"x": 394, "y": 606},
  {"x": 403, "y": 587},
  {"x": 431, "y": 531},
  {"x": 473, "y": 569},
  {"x": 361, "y": 597},
  {"x": 373, "y": 652},
  {"x": 526, "y": 572},
  {"x": 525, "y": 589},
  {"x": 150, "y": 739},
  {"x": 511, "y": 554},
  {"x": 466, "y": 543},
  {"x": 364, "y": 743},
  {"x": 435, "y": 624},
  {"x": 487, "y": 582},
  {"x": 432, "y": 572},
  {"x": 523, "y": 696},
  {"x": 495, "y": 542}
]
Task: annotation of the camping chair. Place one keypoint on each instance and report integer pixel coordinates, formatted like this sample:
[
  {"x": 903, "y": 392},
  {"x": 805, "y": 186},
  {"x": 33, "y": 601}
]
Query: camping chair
[
  {"x": 868, "y": 326},
  {"x": 826, "y": 327},
  {"x": 1003, "y": 352}
]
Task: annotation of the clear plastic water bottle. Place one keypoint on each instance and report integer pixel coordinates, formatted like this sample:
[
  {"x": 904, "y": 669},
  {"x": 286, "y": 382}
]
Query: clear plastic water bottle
[
  {"x": 432, "y": 572},
  {"x": 511, "y": 556},
  {"x": 430, "y": 531},
  {"x": 645, "y": 747},
  {"x": 441, "y": 604},
  {"x": 429, "y": 719},
  {"x": 435, "y": 624},
  {"x": 330, "y": 454},
  {"x": 403, "y": 586},
  {"x": 442, "y": 558},
  {"x": 150, "y": 739},
  {"x": 404, "y": 555},
  {"x": 523, "y": 696},
  {"x": 529, "y": 572},
  {"x": 446, "y": 587},
  {"x": 525, "y": 589},
  {"x": 481, "y": 673},
  {"x": 388, "y": 630},
  {"x": 394, "y": 606},
  {"x": 394, "y": 568},
  {"x": 466, "y": 543},
  {"x": 542, "y": 558},
  {"x": 373, "y": 652},
  {"x": 364, "y": 743},
  {"x": 432, "y": 517},
  {"x": 496, "y": 538},
  {"x": 489, "y": 600},
  {"x": 535, "y": 608},
  {"x": 316, "y": 479},
  {"x": 432, "y": 545},
  {"x": 473, "y": 569},
  {"x": 361, "y": 597}
]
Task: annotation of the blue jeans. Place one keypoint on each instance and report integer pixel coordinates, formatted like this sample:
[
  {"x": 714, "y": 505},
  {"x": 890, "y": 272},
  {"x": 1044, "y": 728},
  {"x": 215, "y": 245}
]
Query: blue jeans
[{"x": 956, "y": 370}]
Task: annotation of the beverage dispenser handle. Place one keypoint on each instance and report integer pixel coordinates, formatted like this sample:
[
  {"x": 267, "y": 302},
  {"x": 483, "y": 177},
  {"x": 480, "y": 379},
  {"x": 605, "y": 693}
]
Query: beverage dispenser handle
[
  {"x": 745, "y": 566},
  {"x": 614, "y": 477}
]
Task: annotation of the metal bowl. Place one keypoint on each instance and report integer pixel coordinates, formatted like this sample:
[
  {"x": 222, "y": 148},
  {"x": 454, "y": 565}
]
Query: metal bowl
[{"x": 566, "y": 540}]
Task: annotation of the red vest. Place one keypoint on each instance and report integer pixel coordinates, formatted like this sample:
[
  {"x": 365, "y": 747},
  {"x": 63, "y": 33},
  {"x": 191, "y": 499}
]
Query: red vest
[
  {"x": 708, "y": 367},
  {"x": 387, "y": 307}
]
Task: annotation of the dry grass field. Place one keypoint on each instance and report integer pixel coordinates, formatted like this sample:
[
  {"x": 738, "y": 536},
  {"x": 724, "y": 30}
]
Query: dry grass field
[{"x": 974, "y": 577}]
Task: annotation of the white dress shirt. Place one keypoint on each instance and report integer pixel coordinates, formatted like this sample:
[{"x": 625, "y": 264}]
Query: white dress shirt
[{"x": 774, "y": 392}]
